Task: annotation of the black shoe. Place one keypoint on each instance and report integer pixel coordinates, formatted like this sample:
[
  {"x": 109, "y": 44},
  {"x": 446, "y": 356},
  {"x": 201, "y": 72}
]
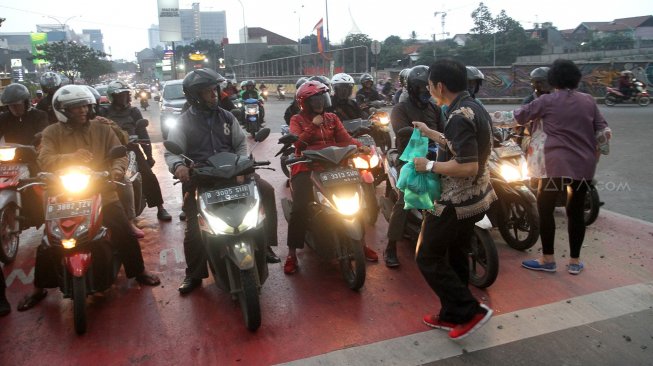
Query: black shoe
[
  {"x": 188, "y": 285},
  {"x": 5, "y": 308},
  {"x": 390, "y": 256},
  {"x": 271, "y": 257},
  {"x": 163, "y": 215},
  {"x": 182, "y": 216}
]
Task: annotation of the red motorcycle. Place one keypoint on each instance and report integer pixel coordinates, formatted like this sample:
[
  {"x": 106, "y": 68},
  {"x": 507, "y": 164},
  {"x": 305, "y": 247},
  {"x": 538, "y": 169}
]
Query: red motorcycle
[
  {"x": 640, "y": 95},
  {"x": 74, "y": 232}
]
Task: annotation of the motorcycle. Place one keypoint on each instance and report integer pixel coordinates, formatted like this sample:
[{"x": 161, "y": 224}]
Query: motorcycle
[
  {"x": 144, "y": 103},
  {"x": 483, "y": 255},
  {"x": 252, "y": 123},
  {"x": 15, "y": 163},
  {"x": 264, "y": 93},
  {"x": 515, "y": 212},
  {"x": 231, "y": 222},
  {"x": 640, "y": 96},
  {"x": 74, "y": 230},
  {"x": 281, "y": 93},
  {"x": 334, "y": 225},
  {"x": 371, "y": 171}
]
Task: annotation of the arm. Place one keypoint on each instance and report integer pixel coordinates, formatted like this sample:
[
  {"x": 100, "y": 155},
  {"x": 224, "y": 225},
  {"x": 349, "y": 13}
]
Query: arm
[
  {"x": 117, "y": 165},
  {"x": 48, "y": 158},
  {"x": 238, "y": 137},
  {"x": 342, "y": 136},
  {"x": 303, "y": 131},
  {"x": 178, "y": 136},
  {"x": 141, "y": 132}
]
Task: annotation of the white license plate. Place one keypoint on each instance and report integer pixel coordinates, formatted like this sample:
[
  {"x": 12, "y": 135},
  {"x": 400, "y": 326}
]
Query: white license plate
[
  {"x": 63, "y": 210},
  {"x": 227, "y": 194},
  {"x": 340, "y": 176}
]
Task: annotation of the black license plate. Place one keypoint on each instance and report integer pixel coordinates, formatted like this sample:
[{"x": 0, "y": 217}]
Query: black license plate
[
  {"x": 508, "y": 151},
  {"x": 341, "y": 176},
  {"x": 63, "y": 210},
  {"x": 9, "y": 169},
  {"x": 227, "y": 194},
  {"x": 366, "y": 140}
]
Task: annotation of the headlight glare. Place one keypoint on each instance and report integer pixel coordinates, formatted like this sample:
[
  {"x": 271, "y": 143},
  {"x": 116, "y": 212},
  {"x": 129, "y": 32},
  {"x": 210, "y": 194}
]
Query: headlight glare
[
  {"x": 75, "y": 182},
  {"x": 347, "y": 206}
]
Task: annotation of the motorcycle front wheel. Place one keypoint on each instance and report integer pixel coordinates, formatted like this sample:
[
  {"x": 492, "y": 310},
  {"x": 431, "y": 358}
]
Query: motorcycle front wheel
[
  {"x": 610, "y": 100},
  {"x": 79, "y": 304},
  {"x": 483, "y": 259},
  {"x": 369, "y": 191},
  {"x": 592, "y": 206},
  {"x": 9, "y": 235},
  {"x": 519, "y": 224},
  {"x": 249, "y": 299},
  {"x": 644, "y": 101},
  {"x": 352, "y": 262}
]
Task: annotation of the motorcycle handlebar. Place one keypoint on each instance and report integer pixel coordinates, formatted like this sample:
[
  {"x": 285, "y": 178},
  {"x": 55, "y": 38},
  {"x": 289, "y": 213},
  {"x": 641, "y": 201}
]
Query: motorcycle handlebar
[{"x": 261, "y": 163}]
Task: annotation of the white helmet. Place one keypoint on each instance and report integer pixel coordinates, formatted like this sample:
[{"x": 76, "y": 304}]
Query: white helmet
[
  {"x": 69, "y": 96},
  {"x": 342, "y": 78}
]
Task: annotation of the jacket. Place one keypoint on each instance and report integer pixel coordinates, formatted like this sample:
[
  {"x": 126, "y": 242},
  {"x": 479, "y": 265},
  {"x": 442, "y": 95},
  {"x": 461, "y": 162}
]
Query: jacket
[
  {"x": 61, "y": 140},
  {"x": 22, "y": 130},
  {"x": 311, "y": 137}
]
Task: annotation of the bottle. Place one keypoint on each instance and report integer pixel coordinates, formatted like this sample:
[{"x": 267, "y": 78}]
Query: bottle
[{"x": 603, "y": 140}]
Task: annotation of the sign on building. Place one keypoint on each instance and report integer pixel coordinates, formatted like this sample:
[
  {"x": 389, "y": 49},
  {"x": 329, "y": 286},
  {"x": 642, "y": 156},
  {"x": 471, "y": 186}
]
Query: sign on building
[{"x": 169, "y": 21}]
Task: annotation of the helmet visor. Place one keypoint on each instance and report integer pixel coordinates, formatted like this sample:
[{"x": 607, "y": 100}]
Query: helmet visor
[
  {"x": 342, "y": 91},
  {"x": 318, "y": 103}
]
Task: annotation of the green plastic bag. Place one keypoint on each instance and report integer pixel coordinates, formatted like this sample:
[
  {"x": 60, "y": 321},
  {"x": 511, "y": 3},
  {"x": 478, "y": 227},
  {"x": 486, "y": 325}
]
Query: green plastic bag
[{"x": 420, "y": 188}]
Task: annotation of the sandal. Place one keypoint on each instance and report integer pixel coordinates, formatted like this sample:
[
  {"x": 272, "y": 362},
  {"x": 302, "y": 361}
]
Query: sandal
[
  {"x": 31, "y": 300},
  {"x": 148, "y": 279}
]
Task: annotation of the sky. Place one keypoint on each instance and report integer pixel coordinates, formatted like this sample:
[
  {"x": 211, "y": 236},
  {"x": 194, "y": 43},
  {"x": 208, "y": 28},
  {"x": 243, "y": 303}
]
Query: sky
[{"x": 124, "y": 23}]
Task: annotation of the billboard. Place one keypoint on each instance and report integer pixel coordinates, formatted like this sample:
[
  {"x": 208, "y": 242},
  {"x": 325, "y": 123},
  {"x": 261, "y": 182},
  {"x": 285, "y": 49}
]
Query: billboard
[
  {"x": 169, "y": 21},
  {"x": 37, "y": 40}
]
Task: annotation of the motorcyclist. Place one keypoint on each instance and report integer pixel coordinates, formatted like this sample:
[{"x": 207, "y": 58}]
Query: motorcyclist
[
  {"x": 293, "y": 108},
  {"x": 120, "y": 111},
  {"x": 367, "y": 94},
  {"x": 205, "y": 130},
  {"x": 474, "y": 80},
  {"x": 50, "y": 83},
  {"x": 626, "y": 83},
  {"x": 402, "y": 87},
  {"x": 251, "y": 92},
  {"x": 79, "y": 140},
  {"x": 387, "y": 90},
  {"x": 539, "y": 83},
  {"x": 316, "y": 129},
  {"x": 38, "y": 97},
  {"x": 418, "y": 108},
  {"x": 230, "y": 88},
  {"x": 342, "y": 104},
  {"x": 23, "y": 125}
]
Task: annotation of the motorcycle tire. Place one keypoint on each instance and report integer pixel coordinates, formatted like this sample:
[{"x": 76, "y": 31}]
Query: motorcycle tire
[
  {"x": 249, "y": 299},
  {"x": 79, "y": 304},
  {"x": 517, "y": 217},
  {"x": 610, "y": 100},
  {"x": 592, "y": 206},
  {"x": 284, "y": 167},
  {"x": 371, "y": 202},
  {"x": 644, "y": 101},
  {"x": 349, "y": 251},
  {"x": 9, "y": 238},
  {"x": 483, "y": 259}
]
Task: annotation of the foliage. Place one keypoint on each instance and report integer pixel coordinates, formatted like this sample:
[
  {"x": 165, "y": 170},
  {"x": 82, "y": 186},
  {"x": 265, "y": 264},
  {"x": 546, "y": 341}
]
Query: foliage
[
  {"x": 392, "y": 49},
  {"x": 71, "y": 58},
  {"x": 358, "y": 39},
  {"x": 612, "y": 41},
  {"x": 278, "y": 52}
]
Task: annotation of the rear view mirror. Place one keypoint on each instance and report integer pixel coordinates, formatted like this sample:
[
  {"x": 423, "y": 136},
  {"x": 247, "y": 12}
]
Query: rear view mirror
[
  {"x": 262, "y": 134},
  {"x": 142, "y": 123},
  {"x": 288, "y": 139}
]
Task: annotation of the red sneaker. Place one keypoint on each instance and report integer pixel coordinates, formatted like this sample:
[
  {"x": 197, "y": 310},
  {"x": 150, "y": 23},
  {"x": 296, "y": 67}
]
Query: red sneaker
[
  {"x": 434, "y": 321},
  {"x": 370, "y": 254},
  {"x": 291, "y": 265},
  {"x": 461, "y": 331}
]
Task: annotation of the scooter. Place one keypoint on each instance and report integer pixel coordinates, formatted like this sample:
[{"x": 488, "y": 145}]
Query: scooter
[
  {"x": 252, "y": 123},
  {"x": 231, "y": 222},
  {"x": 74, "y": 231},
  {"x": 281, "y": 92},
  {"x": 640, "y": 96},
  {"x": 334, "y": 226},
  {"x": 15, "y": 163},
  {"x": 144, "y": 100},
  {"x": 483, "y": 255}
]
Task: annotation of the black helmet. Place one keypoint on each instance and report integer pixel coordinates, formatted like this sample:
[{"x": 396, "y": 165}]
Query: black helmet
[
  {"x": 50, "y": 82},
  {"x": 366, "y": 77},
  {"x": 15, "y": 93},
  {"x": 416, "y": 82},
  {"x": 540, "y": 73},
  {"x": 198, "y": 79},
  {"x": 474, "y": 80},
  {"x": 250, "y": 83},
  {"x": 322, "y": 79},
  {"x": 299, "y": 82}
]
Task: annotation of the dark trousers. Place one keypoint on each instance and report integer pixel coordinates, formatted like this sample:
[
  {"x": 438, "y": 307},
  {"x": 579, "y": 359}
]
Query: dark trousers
[
  {"x": 151, "y": 188},
  {"x": 442, "y": 258},
  {"x": 127, "y": 246},
  {"x": 397, "y": 222},
  {"x": 194, "y": 250},
  {"x": 302, "y": 196},
  {"x": 547, "y": 194}
]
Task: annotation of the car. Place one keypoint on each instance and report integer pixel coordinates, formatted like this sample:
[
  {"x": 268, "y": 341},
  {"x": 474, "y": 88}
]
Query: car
[
  {"x": 171, "y": 104},
  {"x": 142, "y": 91},
  {"x": 102, "y": 89}
]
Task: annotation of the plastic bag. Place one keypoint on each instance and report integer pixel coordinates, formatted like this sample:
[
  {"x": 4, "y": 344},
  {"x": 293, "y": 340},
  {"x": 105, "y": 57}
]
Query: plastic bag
[{"x": 420, "y": 188}]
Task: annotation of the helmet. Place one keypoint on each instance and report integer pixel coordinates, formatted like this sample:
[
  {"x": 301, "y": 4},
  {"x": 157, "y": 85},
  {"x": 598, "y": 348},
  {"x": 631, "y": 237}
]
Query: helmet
[
  {"x": 198, "y": 79},
  {"x": 250, "y": 83},
  {"x": 343, "y": 84},
  {"x": 416, "y": 83},
  {"x": 299, "y": 82},
  {"x": 70, "y": 96},
  {"x": 540, "y": 73},
  {"x": 474, "y": 80},
  {"x": 366, "y": 77},
  {"x": 403, "y": 74},
  {"x": 95, "y": 93},
  {"x": 14, "y": 94},
  {"x": 312, "y": 90},
  {"x": 50, "y": 81},
  {"x": 39, "y": 91},
  {"x": 322, "y": 79},
  {"x": 116, "y": 87}
]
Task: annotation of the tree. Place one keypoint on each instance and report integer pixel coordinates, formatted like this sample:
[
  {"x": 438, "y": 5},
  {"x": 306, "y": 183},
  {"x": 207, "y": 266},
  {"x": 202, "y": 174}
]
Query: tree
[
  {"x": 91, "y": 70},
  {"x": 278, "y": 52},
  {"x": 392, "y": 50},
  {"x": 71, "y": 58},
  {"x": 358, "y": 39}
]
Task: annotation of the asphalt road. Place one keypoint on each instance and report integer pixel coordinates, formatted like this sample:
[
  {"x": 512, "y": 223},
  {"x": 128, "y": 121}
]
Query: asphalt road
[{"x": 624, "y": 177}]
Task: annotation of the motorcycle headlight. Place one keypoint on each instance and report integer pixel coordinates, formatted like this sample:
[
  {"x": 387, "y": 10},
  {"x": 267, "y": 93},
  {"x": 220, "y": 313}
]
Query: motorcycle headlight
[
  {"x": 218, "y": 227},
  {"x": 250, "y": 220},
  {"x": 252, "y": 110},
  {"x": 75, "y": 182},
  {"x": 347, "y": 206},
  {"x": 360, "y": 163},
  {"x": 510, "y": 173},
  {"x": 143, "y": 94},
  {"x": 374, "y": 161},
  {"x": 69, "y": 243},
  {"x": 383, "y": 121},
  {"x": 7, "y": 153},
  {"x": 170, "y": 123}
]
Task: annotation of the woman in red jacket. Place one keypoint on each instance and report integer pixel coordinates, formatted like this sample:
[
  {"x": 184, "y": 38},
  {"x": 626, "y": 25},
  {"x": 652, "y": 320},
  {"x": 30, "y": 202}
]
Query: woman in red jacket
[{"x": 316, "y": 129}]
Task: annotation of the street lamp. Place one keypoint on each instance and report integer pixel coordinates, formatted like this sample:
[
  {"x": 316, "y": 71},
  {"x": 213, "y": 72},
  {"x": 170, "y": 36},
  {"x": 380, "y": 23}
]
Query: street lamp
[
  {"x": 63, "y": 28},
  {"x": 299, "y": 35},
  {"x": 245, "y": 30}
]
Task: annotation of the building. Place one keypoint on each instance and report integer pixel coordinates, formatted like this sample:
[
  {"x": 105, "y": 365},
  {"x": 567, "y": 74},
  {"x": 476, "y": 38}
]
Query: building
[
  {"x": 95, "y": 39},
  {"x": 153, "y": 37},
  {"x": 196, "y": 24},
  {"x": 16, "y": 41}
]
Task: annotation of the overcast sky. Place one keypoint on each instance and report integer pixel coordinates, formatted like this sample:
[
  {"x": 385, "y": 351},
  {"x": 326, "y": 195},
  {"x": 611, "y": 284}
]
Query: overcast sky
[{"x": 124, "y": 23}]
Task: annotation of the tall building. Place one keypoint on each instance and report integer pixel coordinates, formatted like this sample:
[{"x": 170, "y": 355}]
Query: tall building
[
  {"x": 153, "y": 37},
  {"x": 196, "y": 24},
  {"x": 95, "y": 39}
]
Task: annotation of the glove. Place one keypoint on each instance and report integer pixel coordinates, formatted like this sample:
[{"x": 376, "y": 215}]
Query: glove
[
  {"x": 150, "y": 161},
  {"x": 117, "y": 175}
]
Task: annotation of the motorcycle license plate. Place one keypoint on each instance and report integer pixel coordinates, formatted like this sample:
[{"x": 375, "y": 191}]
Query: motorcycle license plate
[
  {"x": 63, "y": 210},
  {"x": 227, "y": 194},
  {"x": 366, "y": 140},
  {"x": 9, "y": 169},
  {"x": 341, "y": 176},
  {"x": 508, "y": 151}
]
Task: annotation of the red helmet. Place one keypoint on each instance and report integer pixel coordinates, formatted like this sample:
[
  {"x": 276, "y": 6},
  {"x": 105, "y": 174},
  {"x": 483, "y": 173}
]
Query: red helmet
[{"x": 313, "y": 90}]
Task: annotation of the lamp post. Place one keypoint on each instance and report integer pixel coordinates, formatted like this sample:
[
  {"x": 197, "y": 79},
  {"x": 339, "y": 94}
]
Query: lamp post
[
  {"x": 63, "y": 28},
  {"x": 245, "y": 31},
  {"x": 299, "y": 36}
]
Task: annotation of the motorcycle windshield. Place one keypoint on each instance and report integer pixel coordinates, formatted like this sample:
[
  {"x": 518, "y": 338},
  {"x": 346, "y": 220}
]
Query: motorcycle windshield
[
  {"x": 333, "y": 154},
  {"x": 226, "y": 165}
]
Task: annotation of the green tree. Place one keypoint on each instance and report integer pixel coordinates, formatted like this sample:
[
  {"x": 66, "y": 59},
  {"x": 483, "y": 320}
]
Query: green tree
[
  {"x": 278, "y": 52},
  {"x": 358, "y": 39},
  {"x": 391, "y": 51},
  {"x": 71, "y": 58},
  {"x": 91, "y": 70}
]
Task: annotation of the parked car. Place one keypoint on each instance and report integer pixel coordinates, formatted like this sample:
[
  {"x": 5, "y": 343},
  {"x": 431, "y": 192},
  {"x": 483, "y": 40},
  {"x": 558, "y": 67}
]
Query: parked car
[{"x": 171, "y": 104}]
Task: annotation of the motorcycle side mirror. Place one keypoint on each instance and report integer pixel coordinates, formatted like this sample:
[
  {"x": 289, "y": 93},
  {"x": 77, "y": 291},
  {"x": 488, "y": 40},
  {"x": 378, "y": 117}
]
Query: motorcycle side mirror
[
  {"x": 262, "y": 134},
  {"x": 173, "y": 147},
  {"x": 288, "y": 139},
  {"x": 142, "y": 123},
  {"x": 117, "y": 152}
]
